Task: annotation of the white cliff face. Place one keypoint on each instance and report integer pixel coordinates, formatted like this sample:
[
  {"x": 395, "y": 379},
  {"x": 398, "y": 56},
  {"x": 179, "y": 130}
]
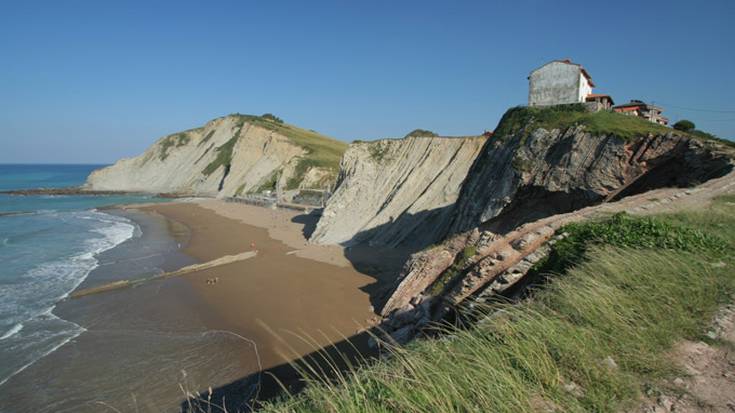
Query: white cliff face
[
  {"x": 394, "y": 192},
  {"x": 225, "y": 158}
]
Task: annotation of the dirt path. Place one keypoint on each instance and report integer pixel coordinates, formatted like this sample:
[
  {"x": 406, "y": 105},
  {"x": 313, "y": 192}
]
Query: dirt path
[{"x": 709, "y": 382}]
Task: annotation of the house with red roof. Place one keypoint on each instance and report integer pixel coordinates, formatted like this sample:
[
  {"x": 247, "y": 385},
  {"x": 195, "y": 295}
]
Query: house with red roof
[{"x": 651, "y": 113}]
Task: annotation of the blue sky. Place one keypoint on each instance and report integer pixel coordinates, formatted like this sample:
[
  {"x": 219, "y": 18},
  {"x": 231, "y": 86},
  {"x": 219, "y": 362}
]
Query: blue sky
[{"x": 93, "y": 81}]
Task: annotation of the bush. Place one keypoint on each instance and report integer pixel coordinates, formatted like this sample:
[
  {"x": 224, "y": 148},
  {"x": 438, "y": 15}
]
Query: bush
[
  {"x": 684, "y": 125},
  {"x": 421, "y": 132},
  {"x": 271, "y": 117}
]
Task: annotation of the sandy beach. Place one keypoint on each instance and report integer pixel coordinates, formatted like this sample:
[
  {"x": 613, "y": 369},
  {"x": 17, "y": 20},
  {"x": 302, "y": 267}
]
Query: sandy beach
[
  {"x": 281, "y": 299},
  {"x": 292, "y": 298}
]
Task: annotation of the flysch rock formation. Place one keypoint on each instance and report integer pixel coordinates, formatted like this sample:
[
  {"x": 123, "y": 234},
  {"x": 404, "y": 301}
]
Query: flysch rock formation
[
  {"x": 523, "y": 188},
  {"x": 398, "y": 191},
  {"x": 228, "y": 157},
  {"x": 542, "y": 172}
]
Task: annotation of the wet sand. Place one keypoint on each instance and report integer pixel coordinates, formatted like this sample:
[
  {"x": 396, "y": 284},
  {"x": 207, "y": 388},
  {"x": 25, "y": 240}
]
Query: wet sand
[
  {"x": 141, "y": 344},
  {"x": 292, "y": 298}
]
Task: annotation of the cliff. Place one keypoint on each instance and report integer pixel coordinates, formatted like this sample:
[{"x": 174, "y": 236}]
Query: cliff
[
  {"x": 230, "y": 156},
  {"x": 543, "y": 169},
  {"x": 400, "y": 191},
  {"x": 543, "y": 162}
]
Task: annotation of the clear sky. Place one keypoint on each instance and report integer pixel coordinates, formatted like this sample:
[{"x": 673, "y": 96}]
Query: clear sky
[{"x": 93, "y": 81}]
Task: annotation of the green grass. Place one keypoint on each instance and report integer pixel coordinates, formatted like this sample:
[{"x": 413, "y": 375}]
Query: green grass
[
  {"x": 224, "y": 155},
  {"x": 321, "y": 151},
  {"x": 625, "y": 231},
  {"x": 173, "y": 141},
  {"x": 527, "y": 119},
  {"x": 206, "y": 138},
  {"x": 635, "y": 287},
  {"x": 696, "y": 133},
  {"x": 269, "y": 183}
]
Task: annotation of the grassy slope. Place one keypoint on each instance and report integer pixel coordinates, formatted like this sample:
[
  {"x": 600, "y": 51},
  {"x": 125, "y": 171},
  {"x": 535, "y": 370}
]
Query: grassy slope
[
  {"x": 598, "y": 123},
  {"x": 635, "y": 286},
  {"x": 321, "y": 151}
]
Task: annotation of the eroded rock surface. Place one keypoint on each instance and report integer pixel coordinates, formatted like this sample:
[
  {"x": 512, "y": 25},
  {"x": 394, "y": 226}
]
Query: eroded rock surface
[
  {"x": 228, "y": 157},
  {"x": 394, "y": 192}
]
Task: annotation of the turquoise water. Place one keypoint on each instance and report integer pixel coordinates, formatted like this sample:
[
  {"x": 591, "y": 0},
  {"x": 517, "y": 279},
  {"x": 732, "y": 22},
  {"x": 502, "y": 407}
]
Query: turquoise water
[{"x": 48, "y": 246}]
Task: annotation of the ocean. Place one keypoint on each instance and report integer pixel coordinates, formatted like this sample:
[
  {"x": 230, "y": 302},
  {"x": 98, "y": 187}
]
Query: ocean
[
  {"x": 48, "y": 246},
  {"x": 132, "y": 349}
]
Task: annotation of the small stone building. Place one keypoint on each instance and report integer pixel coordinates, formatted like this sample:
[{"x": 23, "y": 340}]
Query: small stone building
[
  {"x": 559, "y": 82},
  {"x": 643, "y": 110},
  {"x": 598, "y": 101}
]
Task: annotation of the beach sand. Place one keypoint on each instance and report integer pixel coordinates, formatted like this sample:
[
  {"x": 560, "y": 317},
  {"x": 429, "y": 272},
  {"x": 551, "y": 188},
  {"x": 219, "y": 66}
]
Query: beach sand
[
  {"x": 293, "y": 297},
  {"x": 145, "y": 345}
]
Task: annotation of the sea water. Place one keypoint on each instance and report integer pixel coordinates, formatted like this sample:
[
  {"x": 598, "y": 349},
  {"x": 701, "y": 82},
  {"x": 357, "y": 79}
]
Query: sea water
[{"x": 48, "y": 246}]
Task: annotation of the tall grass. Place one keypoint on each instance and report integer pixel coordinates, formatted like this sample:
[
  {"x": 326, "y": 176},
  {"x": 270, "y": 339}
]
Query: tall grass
[{"x": 591, "y": 339}]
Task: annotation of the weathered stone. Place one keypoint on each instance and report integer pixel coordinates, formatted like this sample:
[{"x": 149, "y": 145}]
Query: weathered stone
[
  {"x": 397, "y": 191},
  {"x": 179, "y": 163}
]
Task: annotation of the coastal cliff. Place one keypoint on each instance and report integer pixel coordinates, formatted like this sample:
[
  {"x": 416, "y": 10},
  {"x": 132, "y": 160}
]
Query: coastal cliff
[
  {"x": 543, "y": 169},
  {"x": 398, "y": 191},
  {"x": 231, "y": 156}
]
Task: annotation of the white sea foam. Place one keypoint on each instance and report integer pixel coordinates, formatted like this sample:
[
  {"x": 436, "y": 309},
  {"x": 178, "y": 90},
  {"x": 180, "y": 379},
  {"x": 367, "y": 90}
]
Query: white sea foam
[
  {"x": 15, "y": 329},
  {"x": 70, "y": 334},
  {"x": 29, "y": 302}
]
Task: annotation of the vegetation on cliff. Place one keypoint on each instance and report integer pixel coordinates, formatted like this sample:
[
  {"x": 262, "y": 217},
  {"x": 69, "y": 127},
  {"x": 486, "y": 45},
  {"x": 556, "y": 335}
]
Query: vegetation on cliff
[
  {"x": 594, "y": 338},
  {"x": 526, "y": 119},
  {"x": 320, "y": 151},
  {"x": 175, "y": 141},
  {"x": 523, "y": 119},
  {"x": 224, "y": 155},
  {"x": 421, "y": 133}
]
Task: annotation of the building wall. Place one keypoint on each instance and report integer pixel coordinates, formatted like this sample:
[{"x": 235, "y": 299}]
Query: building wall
[
  {"x": 555, "y": 83},
  {"x": 584, "y": 87}
]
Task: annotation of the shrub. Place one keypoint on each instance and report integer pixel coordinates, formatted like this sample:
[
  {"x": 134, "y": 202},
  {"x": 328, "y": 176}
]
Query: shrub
[
  {"x": 684, "y": 125},
  {"x": 271, "y": 117},
  {"x": 421, "y": 132}
]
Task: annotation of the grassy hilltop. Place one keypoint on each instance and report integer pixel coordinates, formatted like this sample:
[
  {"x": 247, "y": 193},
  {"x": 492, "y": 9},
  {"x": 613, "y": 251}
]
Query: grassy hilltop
[{"x": 526, "y": 119}]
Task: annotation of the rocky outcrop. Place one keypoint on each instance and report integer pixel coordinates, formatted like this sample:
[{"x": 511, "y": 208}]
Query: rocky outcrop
[
  {"x": 523, "y": 188},
  {"x": 497, "y": 263},
  {"x": 230, "y": 156},
  {"x": 538, "y": 173},
  {"x": 393, "y": 192}
]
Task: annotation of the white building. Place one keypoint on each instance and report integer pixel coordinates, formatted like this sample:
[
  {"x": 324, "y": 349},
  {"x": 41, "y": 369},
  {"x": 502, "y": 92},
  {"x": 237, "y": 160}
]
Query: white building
[{"x": 559, "y": 82}]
